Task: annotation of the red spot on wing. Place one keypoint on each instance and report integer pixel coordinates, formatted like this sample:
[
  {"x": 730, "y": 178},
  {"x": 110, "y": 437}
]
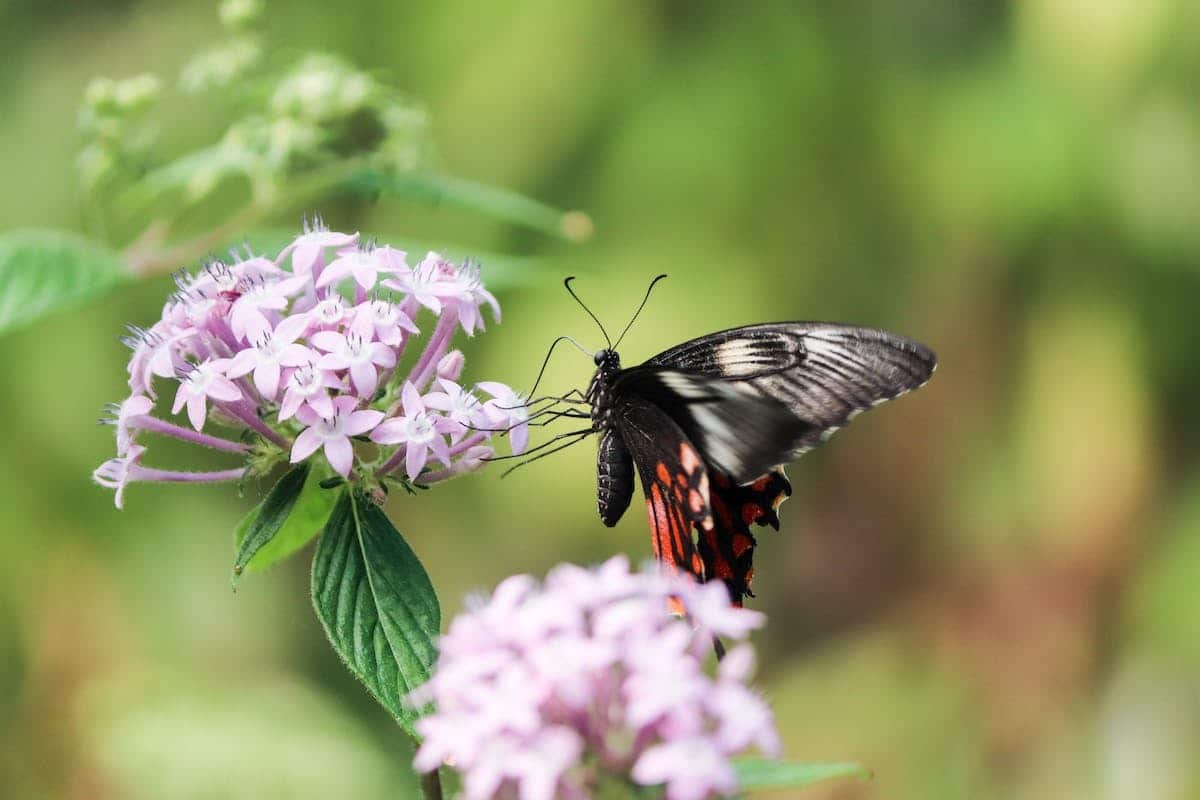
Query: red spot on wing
[
  {"x": 728, "y": 547},
  {"x": 751, "y": 512}
]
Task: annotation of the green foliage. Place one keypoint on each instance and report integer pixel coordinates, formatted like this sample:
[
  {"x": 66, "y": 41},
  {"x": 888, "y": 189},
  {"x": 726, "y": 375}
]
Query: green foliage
[
  {"x": 46, "y": 271},
  {"x": 761, "y": 773},
  {"x": 258, "y": 736},
  {"x": 290, "y": 515},
  {"x": 489, "y": 201},
  {"x": 317, "y": 128},
  {"x": 376, "y": 602}
]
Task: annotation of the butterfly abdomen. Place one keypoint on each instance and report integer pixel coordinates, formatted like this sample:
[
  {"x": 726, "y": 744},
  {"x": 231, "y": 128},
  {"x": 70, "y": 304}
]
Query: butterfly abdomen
[{"x": 614, "y": 478}]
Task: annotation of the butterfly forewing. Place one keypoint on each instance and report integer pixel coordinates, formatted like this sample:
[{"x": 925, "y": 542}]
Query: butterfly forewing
[{"x": 825, "y": 374}]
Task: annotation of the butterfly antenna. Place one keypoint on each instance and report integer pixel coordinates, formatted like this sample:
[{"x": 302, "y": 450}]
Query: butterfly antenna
[
  {"x": 567, "y": 283},
  {"x": 549, "y": 353},
  {"x": 649, "y": 289}
]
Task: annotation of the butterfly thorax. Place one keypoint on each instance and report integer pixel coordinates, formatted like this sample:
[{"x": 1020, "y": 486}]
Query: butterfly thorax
[{"x": 600, "y": 393}]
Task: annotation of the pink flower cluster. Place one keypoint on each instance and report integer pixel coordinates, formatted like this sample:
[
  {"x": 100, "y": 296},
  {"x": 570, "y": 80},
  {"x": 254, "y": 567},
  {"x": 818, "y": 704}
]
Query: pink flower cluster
[
  {"x": 553, "y": 691},
  {"x": 301, "y": 351}
]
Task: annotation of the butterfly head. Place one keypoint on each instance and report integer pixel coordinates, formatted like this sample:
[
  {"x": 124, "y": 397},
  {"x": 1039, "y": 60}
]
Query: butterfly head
[{"x": 607, "y": 359}]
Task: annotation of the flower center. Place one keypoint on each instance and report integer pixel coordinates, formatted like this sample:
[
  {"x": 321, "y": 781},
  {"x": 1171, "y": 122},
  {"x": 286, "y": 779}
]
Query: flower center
[
  {"x": 385, "y": 313},
  {"x": 331, "y": 428},
  {"x": 307, "y": 380},
  {"x": 331, "y": 310},
  {"x": 199, "y": 378},
  {"x": 419, "y": 429},
  {"x": 463, "y": 407},
  {"x": 269, "y": 348}
]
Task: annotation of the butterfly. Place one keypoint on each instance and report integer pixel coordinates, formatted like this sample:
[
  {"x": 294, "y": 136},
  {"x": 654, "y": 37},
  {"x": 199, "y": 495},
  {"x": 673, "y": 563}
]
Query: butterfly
[{"x": 709, "y": 424}]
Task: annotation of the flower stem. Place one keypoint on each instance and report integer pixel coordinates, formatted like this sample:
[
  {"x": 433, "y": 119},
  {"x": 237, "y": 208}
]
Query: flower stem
[
  {"x": 243, "y": 412},
  {"x": 156, "y": 425},
  {"x": 178, "y": 476},
  {"x": 439, "y": 342},
  {"x": 396, "y": 460},
  {"x": 431, "y": 785}
]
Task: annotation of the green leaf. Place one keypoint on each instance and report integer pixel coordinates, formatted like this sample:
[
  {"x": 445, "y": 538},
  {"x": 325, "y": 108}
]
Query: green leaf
[
  {"x": 46, "y": 271},
  {"x": 376, "y": 603},
  {"x": 261, "y": 527},
  {"x": 488, "y": 200},
  {"x": 308, "y": 516},
  {"x": 761, "y": 773}
]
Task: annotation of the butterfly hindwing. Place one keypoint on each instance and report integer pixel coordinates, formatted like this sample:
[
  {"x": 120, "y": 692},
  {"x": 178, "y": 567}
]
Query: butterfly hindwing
[
  {"x": 674, "y": 480},
  {"x": 824, "y": 373},
  {"x": 727, "y": 548},
  {"x": 742, "y": 434}
]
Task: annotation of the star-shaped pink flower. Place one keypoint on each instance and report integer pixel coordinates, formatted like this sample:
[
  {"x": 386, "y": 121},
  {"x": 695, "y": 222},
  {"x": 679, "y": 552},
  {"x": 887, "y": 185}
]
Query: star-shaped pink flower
[
  {"x": 308, "y": 385},
  {"x": 507, "y": 410},
  {"x": 365, "y": 265},
  {"x": 417, "y": 429},
  {"x": 272, "y": 351},
  {"x": 384, "y": 320},
  {"x": 203, "y": 381},
  {"x": 308, "y": 249},
  {"x": 356, "y": 353},
  {"x": 333, "y": 433}
]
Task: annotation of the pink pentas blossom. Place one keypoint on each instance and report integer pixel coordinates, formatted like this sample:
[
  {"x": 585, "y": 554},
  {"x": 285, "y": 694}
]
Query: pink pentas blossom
[
  {"x": 547, "y": 691},
  {"x": 308, "y": 249},
  {"x": 201, "y": 382},
  {"x": 333, "y": 433},
  {"x": 125, "y": 416},
  {"x": 507, "y": 411},
  {"x": 356, "y": 353},
  {"x": 308, "y": 385},
  {"x": 365, "y": 265},
  {"x": 460, "y": 406},
  {"x": 272, "y": 351},
  {"x": 260, "y": 301},
  {"x": 117, "y": 472},
  {"x": 293, "y": 369},
  {"x": 420, "y": 431},
  {"x": 385, "y": 320}
]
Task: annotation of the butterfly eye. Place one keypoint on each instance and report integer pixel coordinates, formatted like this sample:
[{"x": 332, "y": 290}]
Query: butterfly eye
[{"x": 601, "y": 356}]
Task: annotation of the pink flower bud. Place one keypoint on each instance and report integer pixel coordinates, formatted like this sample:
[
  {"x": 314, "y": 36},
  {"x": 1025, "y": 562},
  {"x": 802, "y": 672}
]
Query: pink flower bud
[{"x": 450, "y": 366}]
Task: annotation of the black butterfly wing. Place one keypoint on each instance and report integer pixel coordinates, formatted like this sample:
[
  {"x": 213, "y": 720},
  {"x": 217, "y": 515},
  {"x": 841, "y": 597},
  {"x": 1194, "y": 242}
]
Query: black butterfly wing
[
  {"x": 674, "y": 480},
  {"x": 700, "y": 518},
  {"x": 824, "y": 373},
  {"x": 742, "y": 434}
]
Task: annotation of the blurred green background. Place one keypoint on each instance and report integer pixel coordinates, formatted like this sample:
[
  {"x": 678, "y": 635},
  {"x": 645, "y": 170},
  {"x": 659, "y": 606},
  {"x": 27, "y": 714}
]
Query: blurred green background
[{"x": 986, "y": 590}]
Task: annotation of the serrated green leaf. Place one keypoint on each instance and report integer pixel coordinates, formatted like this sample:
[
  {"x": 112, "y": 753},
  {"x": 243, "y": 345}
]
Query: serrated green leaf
[
  {"x": 262, "y": 526},
  {"x": 761, "y": 773},
  {"x": 45, "y": 271},
  {"x": 376, "y": 603},
  {"x": 491, "y": 201}
]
